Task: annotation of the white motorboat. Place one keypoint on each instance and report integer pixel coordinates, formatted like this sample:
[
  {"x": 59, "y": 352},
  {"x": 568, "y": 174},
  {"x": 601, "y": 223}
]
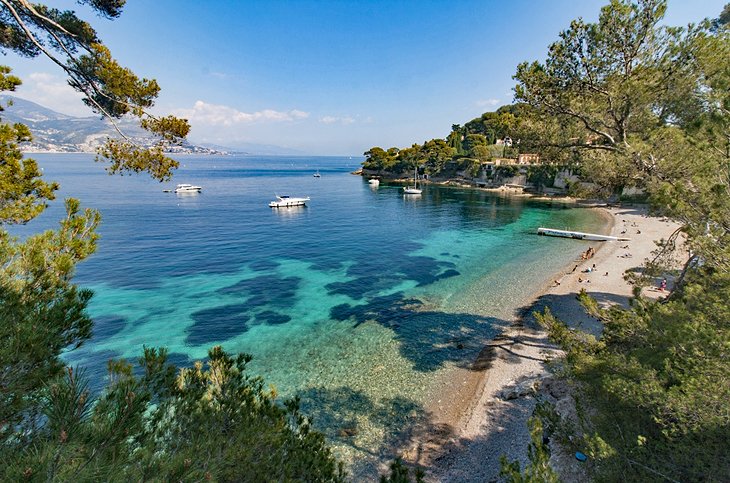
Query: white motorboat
[
  {"x": 374, "y": 182},
  {"x": 187, "y": 188},
  {"x": 579, "y": 235},
  {"x": 317, "y": 175},
  {"x": 285, "y": 201},
  {"x": 414, "y": 190}
]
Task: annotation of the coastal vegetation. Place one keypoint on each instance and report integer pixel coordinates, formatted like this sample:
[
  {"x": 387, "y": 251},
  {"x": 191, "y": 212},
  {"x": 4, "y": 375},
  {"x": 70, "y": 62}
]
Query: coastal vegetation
[
  {"x": 151, "y": 421},
  {"x": 640, "y": 104},
  {"x": 463, "y": 149},
  {"x": 624, "y": 102},
  {"x": 485, "y": 150},
  {"x": 628, "y": 103}
]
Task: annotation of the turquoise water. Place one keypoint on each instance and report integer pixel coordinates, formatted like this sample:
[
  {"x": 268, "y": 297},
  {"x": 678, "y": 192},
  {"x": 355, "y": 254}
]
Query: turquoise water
[{"x": 357, "y": 302}]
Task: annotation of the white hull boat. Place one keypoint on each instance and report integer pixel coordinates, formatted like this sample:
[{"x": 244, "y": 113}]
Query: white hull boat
[
  {"x": 578, "y": 235},
  {"x": 415, "y": 190},
  {"x": 374, "y": 182},
  {"x": 187, "y": 188},
  {"x": 285, "y": 201}
]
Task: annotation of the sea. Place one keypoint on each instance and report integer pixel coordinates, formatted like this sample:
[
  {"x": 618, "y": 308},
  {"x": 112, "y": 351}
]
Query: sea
[{"x": 357, "y": 303}]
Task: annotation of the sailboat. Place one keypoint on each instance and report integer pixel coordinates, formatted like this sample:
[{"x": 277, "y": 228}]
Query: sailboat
[
  {"x": 317, "y": 175},
  {"x": 415, "y": 190}
]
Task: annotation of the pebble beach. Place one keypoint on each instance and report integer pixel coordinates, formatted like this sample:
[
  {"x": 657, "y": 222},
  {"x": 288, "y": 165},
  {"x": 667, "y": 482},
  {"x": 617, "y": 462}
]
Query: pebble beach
[{"x": 482, "y": 413}]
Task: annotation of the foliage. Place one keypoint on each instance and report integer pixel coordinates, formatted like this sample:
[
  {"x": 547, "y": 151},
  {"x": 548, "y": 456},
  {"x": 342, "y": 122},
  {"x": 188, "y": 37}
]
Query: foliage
[
  {"x": 656, "y": 116},
  {"x": 639, "y": 104},
  {"x": 455, "y": 139},
  {"x": 435, "y": 154},
  {"x": 432, "y": 155},
  {"x": 399, "y": 473},
  {"x": 475, "y": 140},
  {"x": 538, "y": 471},
  {"x": 611, "y": 92},
  {"x": 212, "y": 421},
  {"x": 41, "y": 311},
  {"x": 543, "y": 175},
  {"x": 393, "y": 160},
  {"x": 657, "y": 382},
  {"x": 108, "y": 88},
  {"x": 475, "y": 146},
  {"x": 503, "y": 123},
  {"x": 471, "y": 166},
  {"x": 23, "y": 195},
  {"x": 209, "y": 421},
  {"x": 506, "y": 170}
]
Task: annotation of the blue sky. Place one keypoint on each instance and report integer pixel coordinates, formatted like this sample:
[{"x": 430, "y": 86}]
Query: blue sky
[{"x": 328, "y": 77}]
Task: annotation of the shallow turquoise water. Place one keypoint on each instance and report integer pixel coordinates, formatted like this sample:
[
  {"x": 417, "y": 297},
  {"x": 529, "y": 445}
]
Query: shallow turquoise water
[{"x": 356, "y": 303}]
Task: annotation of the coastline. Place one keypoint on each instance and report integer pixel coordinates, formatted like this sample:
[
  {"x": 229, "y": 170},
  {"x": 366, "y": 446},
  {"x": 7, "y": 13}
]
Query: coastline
[{"x": 481, "y": 413}]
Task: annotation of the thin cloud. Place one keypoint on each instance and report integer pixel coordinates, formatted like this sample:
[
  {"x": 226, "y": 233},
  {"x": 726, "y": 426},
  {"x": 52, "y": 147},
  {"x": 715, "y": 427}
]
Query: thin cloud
[
  {"x": 487, "y": 102},
  {"x": 53, "y": 92},
  {"x": 344, "y": 120},
  {"x": 219, "y": 115}
]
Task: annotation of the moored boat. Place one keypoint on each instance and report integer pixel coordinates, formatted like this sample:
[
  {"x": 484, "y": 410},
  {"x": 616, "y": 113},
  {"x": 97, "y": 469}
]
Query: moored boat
[
  {"x": 187, "y": 188},
  {"x": 414, "y": 190},
  {"x": 284, "y": 201}
]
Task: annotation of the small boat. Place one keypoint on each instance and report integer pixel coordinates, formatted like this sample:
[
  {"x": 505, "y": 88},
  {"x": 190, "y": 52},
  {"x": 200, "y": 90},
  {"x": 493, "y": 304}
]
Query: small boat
[
  {"x": 578, "y": 235},
  {"x": 285, "y": 201},
  {"x": 317, "y": 175},
  {"x": 374, "y": 182},
  {"x": 187, "y": 188},
  {"x": 415, "y": 190}
]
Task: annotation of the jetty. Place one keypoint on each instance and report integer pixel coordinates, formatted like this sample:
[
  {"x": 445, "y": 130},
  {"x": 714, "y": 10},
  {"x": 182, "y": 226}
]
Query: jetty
[{"x": 578, "y": 235}]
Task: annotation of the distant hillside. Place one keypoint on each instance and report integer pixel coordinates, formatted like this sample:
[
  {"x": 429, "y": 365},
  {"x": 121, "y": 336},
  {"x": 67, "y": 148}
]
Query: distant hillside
[
  {"x": 56, "y": 132},
  {"x": 253, "y": 148}
]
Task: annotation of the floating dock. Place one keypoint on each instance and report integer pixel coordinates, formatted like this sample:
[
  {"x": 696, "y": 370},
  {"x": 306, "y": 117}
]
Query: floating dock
[{"x": 578, "y": 235}]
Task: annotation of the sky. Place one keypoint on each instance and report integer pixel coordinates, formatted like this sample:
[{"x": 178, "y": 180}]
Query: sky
[{"x": 327, "y": 77}]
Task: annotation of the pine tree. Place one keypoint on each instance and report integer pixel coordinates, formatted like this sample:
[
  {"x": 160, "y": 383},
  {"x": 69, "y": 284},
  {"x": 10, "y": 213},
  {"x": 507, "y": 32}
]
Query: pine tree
[{"x": 640, "y": 104}]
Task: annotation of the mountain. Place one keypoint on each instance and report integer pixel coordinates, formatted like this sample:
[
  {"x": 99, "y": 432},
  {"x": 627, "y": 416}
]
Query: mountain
[
  {"x": 27, "y": 111},
  {"x": 56, "y": 132}
]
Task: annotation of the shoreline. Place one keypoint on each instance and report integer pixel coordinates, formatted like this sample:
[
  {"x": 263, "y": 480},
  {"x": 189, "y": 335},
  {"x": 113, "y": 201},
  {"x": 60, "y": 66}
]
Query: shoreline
[
  {"x": 502, "y": 190},
  {"x": 481, "y": 413}
]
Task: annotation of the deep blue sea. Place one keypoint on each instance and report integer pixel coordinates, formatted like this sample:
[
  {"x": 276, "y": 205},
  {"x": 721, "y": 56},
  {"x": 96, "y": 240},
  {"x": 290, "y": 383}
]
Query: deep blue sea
[{"x": 357, "y": 302}]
